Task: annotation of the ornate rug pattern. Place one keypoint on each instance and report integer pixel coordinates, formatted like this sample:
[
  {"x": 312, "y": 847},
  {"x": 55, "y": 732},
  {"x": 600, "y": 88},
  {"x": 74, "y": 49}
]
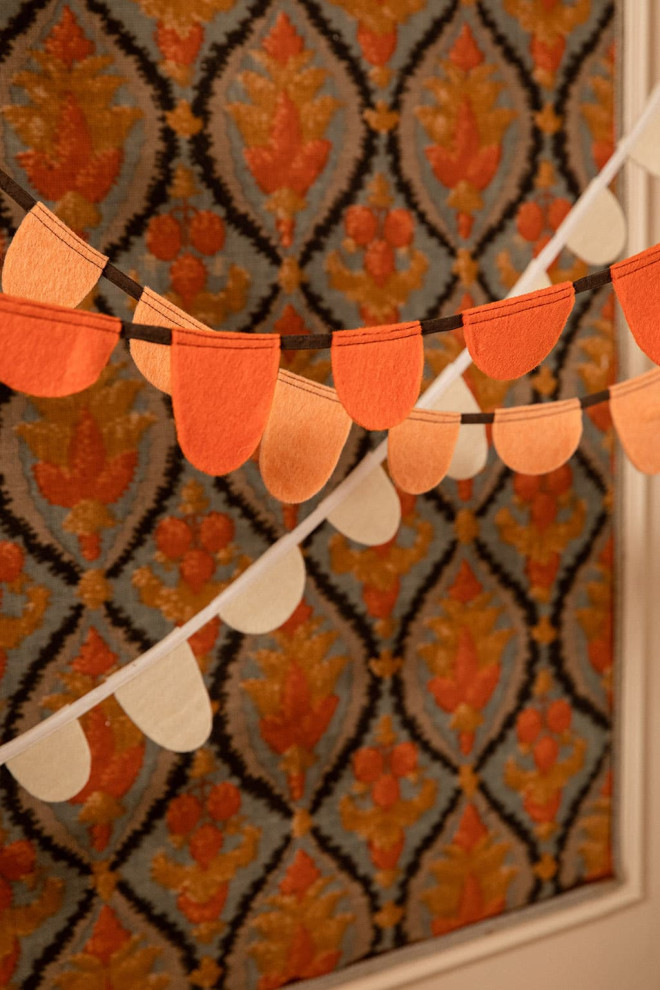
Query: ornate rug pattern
[{"x": 427, "y": 741}]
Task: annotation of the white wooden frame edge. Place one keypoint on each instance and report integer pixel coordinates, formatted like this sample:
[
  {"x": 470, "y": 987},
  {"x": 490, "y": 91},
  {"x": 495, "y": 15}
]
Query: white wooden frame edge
[{"x": 404, "y": 967}]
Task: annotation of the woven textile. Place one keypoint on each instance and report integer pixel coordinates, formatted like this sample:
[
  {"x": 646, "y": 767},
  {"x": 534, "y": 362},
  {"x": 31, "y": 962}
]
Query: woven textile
[{"x": 426, "y": 742}]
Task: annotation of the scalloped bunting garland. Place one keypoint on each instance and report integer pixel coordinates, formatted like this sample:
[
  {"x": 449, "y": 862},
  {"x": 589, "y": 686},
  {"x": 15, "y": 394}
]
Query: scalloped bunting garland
[
  {"x": 635, "y": 409},
  {"x": 637, "y": 285},
  {"x": 153, "y": 360},
  {"x": 600, "y": 235},
  {"x": 55, "y": 768},
  {"x": 420, "y": 450},
  {"x": 47, "y": 262},
  {"x": 538, "y": 439}
]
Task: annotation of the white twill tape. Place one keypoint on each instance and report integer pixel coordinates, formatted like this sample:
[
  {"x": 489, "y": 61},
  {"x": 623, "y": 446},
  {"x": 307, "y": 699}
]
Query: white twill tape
[{"x": 372, "y": 460}]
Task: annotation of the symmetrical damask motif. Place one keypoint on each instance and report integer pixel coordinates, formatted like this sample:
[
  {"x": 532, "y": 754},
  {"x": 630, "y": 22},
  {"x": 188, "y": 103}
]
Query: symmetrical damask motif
[{"x": 426, "y": 742}]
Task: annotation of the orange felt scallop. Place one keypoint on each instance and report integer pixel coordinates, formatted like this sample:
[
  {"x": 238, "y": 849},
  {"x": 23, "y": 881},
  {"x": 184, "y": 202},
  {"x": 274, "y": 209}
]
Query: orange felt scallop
[
  {"x": 47, "y": 262},
  {"x": 153, "y": 360},
  {"x": 537, "y": 439},
  {"x": 305, "y": 434},
  {"x": 419, "y": 450},
  {"x": 377, "y": 372},
  {"x": 507, "y": 339},
  {"x": 52, "y": 351},
  {"x": 637, "y": 285},
  {"x": 222, "y": 390},
  {"x": 635, "y": 409}
]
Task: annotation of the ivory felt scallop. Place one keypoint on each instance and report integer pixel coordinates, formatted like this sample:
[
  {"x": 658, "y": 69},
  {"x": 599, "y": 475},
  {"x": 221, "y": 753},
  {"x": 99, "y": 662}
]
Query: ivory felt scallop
[
  {"x": 56, "y": 767},
  {"x": 270, "y": 599},
  {"x": 636, "y": 282},
  {"x": 377, "y": 372},
  {"x": 600, "y": 234},
  {"x": 540, "y": 438},
  {"x": 471, "y": 449},
  {"x": 222, "y": 390},
  {"x": 420, "y": 450},
  {"x": 52, "y": 351},
  {"x": 371, "y": 513},
  {"x": 635, "y": 409},
  {"x": 646, "y": 149},
  {"x": 306, "y": 431},
  {"x": 508, "y": 339},
  {"x": 47, "y": 262},
  {"x": 153, "y": 360},
  {"x": 169, "y": 701}
]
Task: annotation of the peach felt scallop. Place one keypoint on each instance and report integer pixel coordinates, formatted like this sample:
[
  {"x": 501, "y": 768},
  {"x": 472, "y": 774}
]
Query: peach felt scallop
[
  {"x": 222, "y": 390},
  {"x": 635, "y": 409},
  {"x": 57, "y": 767},
  {"x": 305, "y": 434},
  {"x": 419, "y": 450},
  {"x": 508, "y": 339},
  {"x": 471, "y": 449},
  {"x": 637, "y": 285},
  {"x": 52, "y": 351},
  {"x": 153, "y": 360},
  {"x": 169, "y": 702},
  {"x": 47, "y": 262},
  {"x": 377, "y": 372},
  {"x": 540, "y": 438}
]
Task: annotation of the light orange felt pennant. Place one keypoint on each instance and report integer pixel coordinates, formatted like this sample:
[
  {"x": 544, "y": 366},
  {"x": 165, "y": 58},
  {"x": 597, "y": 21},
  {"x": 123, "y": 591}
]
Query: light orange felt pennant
[
  {"x": 153, "y": 360},
  {"x": 635, "y": 409},
  {"x": 540, "y": 438},
  {"x": 508, "y": 339},
  {"x": 52, "y": 351},
  {"x": 637, "y": 285},
  {"x": 305, "y": 434},
  {"x": 377, "y": 372},
  {"x": 419, "y": 450},
  {"x": 222, "y": 390},
  {"x": 47, "y": 262}
]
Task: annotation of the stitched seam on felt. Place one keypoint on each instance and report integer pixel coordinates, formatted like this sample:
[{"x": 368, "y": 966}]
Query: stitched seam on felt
[
  {"x": 220, "y": 335},
  {"x": 166, "y": 316},
  {"x": 433, "y": 416},
  {"x": 93, "y": 260},
  {"x": 57, "y": 314},
  {"x": 225, "y": 347},
  {"x": 312, "y": 391},
  {"x": 548, "y": 294},
  {"x": 519, "y": 416},
  {"x": 49, "y": 220},
  {"x": 652, "y": 255},
  {"x": 70, "y": 323},
  {"x": 617, "y": 274},
  {"x": 625, "y": 388},
  {"x": 171, "y": 312},
  {"x": 469, "y": 320},
  {"x": 340, "y": 337}
]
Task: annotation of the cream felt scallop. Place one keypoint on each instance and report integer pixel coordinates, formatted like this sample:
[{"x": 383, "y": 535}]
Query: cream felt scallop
[
  {"x": 55, "y": 768},
  {"x": 600, "y": 235},
  {"x": 271, "y": 598},
  {"x": 371, "y": 514}
]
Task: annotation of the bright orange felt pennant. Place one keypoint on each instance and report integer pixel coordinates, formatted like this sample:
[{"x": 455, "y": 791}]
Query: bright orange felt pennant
[
  {"x": 153, "y": 360},
  {"x": 52, "y": 351},
  {"x": 305, "y": 434},
  {"x": 637, "y": 285},
  {"x": 419, "y": 450},
  {"x": 377, "y": 372},
  {"x": 540, "y": 438},
  {"x": 508, "y": 339},
  {"x": 222, "y": 390},
  {"x": 47, "y": 262},
  {"x": 635, "y": 409}
]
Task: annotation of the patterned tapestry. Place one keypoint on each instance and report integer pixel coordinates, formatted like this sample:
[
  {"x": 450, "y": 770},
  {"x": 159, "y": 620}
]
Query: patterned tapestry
[{"x": 426, "y": 742}]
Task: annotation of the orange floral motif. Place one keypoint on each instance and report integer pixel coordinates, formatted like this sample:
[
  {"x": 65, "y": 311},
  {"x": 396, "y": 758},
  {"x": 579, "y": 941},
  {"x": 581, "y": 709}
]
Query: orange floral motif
[
  {"x": 284, "y": 123},
  {"x": 296, "y": 699},
  {"x": 543, "y": 537},
  {"x": 180, "y": 32},
  {"x": 74, "y": 133},
  {"x": 549, "y": 22},
  {"x": 180, "y": 237},
  {"x": 302, "y": 932},
  {"x": 465, "y": 657},
  {"x": 113, "y": 960},
  {"x": 596, "y": 848},
  {"x": 466, "y": 127},
  {"x": 194, "y": 544},
  {"x": 377, "y": 29},
  {"x": 116, "y": 744},
  {"x": 204, "y": 820},
  {"x": 379, "y": 569},
  {"x": 380, "y": 233},
  {"x": 597, "y": 619},
  {"x": 86, "y": 446},
  {"x": 21, "y": 916},
  {"x": 378, "y": 771},
  {"x": 600, "y": 115},
  {"x": 15, "y": 628},
  {"x": 543, "y": 729},
  {"x": 472, "y": 880}
]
